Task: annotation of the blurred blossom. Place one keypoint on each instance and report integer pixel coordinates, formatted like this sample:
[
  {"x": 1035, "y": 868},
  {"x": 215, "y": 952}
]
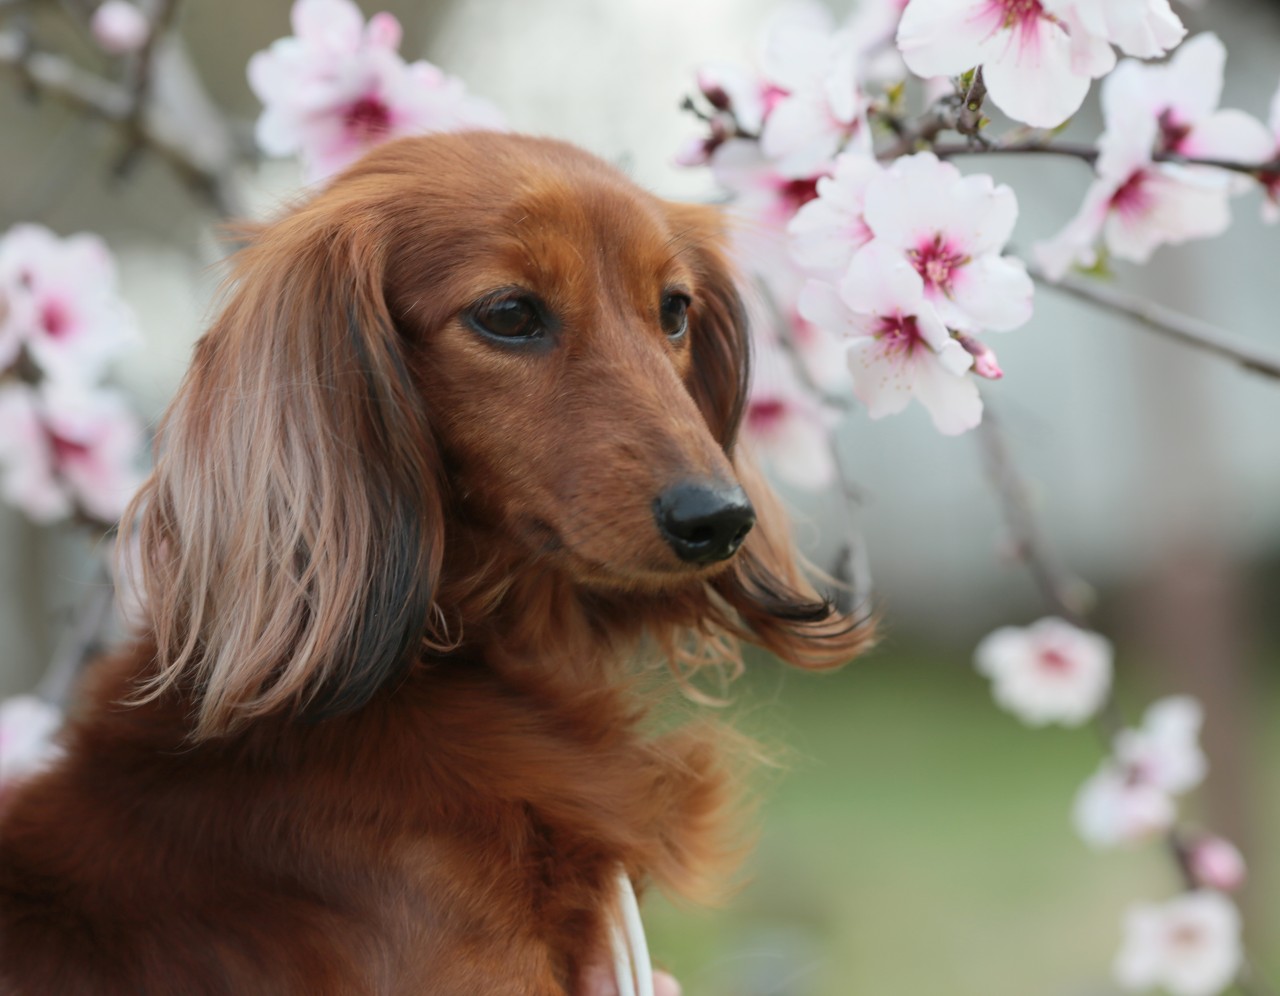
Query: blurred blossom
[
  {"x": 27, "y": 728},
  {"x": 61, "y": 302},
  {"x": 1034, "y": 70},
  {"x": 1189, "y": 946},
  {"x": 68, "y": 449},
  {"x": 1049, "y": 672},
  {"x": 822, "y": 110},
  {"x": 785, "y": 425},
  {"x": 119, "y": 27},
  {"x": 952, "y": 229},
  {"x": 827, "y": 231},
  {"x": 898, "y": 349},
  {"x": 1183, "y": 95},
  {"x": 1130, "y": 798},
  {"x": 337, "y": 87},
  {"x": 874, "y": 27},
  {"x": 1271, "y": 181},
  {"x": 1216, "y": 863}
]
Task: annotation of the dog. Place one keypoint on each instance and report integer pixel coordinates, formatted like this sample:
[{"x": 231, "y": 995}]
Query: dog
[{"x": 458, "y": 451}]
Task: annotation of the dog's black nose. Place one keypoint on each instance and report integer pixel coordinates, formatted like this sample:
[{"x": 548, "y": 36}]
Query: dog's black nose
[{"x": 704, "y": 523}]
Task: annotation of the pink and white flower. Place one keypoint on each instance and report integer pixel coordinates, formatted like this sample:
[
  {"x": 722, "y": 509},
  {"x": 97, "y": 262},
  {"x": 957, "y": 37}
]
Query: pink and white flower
[
  {"x": 1183, "y": 96},
  {"x": 828, "y": 231},
  {"x": 27, "y": 728},
  {"x": 1130, "y": 798},
  {"x": 66, "y": 449},
  {"x": 785, "y": 425},
  {"x": 952, "y": 229},
  {"x": 822, "y": 109},
  {"x": 119, "y": 27},
  {"x": 899, "y": 349},
  {"x": 1035, "y": 71},
  {"x": 61, "y": 302},
  {"x": 1143, "y": 28},
  {"x": 337, "y": 87},
  {"x": 1188, "y": 946},
  {"x": 1049, "y": 672}
]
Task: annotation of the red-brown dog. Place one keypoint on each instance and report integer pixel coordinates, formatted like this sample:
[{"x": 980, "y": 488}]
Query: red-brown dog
[{"x": 462, "y": 437}]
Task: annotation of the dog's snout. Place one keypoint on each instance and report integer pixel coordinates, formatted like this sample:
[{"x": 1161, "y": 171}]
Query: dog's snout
[{"x": 704, "y": 523}]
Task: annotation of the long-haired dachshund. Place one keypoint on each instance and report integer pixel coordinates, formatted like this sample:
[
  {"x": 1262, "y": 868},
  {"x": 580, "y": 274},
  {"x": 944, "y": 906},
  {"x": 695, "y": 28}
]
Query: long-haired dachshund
[{"x": 459, "y": 446}]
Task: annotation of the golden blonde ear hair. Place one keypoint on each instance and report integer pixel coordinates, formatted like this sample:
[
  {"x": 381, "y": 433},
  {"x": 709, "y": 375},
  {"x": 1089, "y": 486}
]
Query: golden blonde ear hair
[{"x": 291, "y": 534}]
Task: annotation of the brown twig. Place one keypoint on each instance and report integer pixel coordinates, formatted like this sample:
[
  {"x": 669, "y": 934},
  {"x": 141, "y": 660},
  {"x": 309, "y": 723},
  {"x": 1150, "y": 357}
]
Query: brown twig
[
  {"x": 1182, "y": 328},
  {"x": 140, "y": 86},
  {"x": 1089, "y": 154}
]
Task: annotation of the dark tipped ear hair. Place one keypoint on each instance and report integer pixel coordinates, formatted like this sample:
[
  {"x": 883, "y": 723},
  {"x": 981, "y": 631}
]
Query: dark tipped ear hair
[
  {"x": 773, "y": 603},
  {"x": 291, "y": 533}
]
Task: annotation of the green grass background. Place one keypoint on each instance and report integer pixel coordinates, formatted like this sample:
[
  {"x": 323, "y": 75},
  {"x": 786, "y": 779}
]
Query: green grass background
[{"x": 919, "y": 843}]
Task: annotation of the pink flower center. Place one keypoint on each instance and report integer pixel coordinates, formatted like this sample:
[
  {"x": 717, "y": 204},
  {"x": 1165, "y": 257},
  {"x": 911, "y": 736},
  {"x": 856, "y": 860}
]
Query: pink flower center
[
  {"x": 1056, "y": 662},
  {"x": 1186, "y": 937},
  {"x": 1016, "y": 15},
  {"x": 900, "y": 334},
  {"x": 765, "y": 415},
  {"x": 795, "y": 194},
  {"x": 937, "y": 261},
  {"x": 369, "y": 117},
  {"x": 1132, "y": 197},
  {"x": 1172, "y": 132},
  {"x": 65, "y": 450},
  {"x": 55, "y": 319}
]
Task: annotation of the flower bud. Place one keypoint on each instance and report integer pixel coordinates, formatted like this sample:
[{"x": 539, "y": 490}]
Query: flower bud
[
  {"x": 1216, "y": 863},
  {"x": 984, "y": 360},
  {"x": 119, "y": 27}
]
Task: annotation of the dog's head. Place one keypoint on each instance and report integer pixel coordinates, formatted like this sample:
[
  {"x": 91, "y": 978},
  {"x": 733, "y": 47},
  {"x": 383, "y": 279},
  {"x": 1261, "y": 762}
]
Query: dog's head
[{"x": 477, "y": 331}]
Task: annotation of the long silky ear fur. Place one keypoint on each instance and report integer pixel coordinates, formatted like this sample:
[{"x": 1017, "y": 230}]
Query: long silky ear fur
[
  {"x": 766, "y": 598},
  {"x": 291, "y": 533}
]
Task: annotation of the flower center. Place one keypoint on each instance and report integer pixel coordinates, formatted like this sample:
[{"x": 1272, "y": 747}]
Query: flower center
[
  {"x": 765, "y": 414},
  {"x": 1055, "y": 661},
  {"x": 65, "y": 450},
  {"x": 1172, "y": 132},
  {"x": 936, "y": 261},
  {"x": 1017, "y": 13},
  {"x": 1186, "y": 937},
  {"x": 900, "y": 333},
  {"x": 795, "y": 194},
  {"x": 55, "y": 319},
  {"x": 1132, "y": 197},
  {"x": 369, "y": 117}
]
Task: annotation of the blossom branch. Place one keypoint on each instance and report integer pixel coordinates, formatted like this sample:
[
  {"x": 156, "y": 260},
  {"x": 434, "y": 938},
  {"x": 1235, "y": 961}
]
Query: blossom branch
[
  {"x": 44, "y": 72},
  {"x": 1087, "y": 153},
  {"x": 1183, "y": 328},
  {"x": 141, "y": 84}
]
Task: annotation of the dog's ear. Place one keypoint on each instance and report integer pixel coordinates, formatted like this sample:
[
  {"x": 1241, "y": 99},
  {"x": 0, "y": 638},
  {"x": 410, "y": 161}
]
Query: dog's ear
[
  {"x": 772, "y": 601},
  {"x": 291, "y": 533}
]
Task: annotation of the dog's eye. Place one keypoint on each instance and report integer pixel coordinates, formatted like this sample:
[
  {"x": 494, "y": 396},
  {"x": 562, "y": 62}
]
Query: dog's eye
[
  {"x": 675, "y": 315},
  {"x": 507, "y": 318}
]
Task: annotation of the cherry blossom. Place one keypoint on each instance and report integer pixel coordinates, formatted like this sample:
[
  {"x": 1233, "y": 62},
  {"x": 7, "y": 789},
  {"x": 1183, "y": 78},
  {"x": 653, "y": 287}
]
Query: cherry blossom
[
  {"x": 1049, "y": 672},
  {"x": 119, "y": 27},
  {"x": 952, "y": 229},
  {"x": 1188, "y": 946},
  {"x": 1216, "y": 863},
  {"x": 1144, "y": 28},
  {"x": 27, "y": 728},
  {"x": 784, "y": 424},
  {"x": 899, "y": 349},
  {"x": 337, "y": 87},
  {"x": 1130, "y": 797},
  {"x": 1034, "y": 70},
  {"x": 1183, "y": 95},
  {"x": 66, "y": 449},
  {"x": 827, "y": 231},
  {"x": 61, "y": 303},
  {"x": 822, "y": 109}
]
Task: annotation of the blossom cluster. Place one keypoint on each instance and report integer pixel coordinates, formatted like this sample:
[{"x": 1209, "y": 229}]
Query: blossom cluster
[
  {"x": 70, "y": 446},
  {"x": 337, "y": 87},
  {"x": 1055, "y": 672},
  {"x": 864, "y": 242}
]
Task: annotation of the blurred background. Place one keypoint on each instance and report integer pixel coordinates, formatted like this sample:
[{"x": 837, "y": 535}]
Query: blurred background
[{"x": 916, "y": 840}]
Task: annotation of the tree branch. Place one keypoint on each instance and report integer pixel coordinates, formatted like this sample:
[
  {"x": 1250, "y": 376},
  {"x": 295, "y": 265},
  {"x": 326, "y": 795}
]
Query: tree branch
[
  {"x": 1173, "y": 324},
  {"x": 1089, "y": 154}
]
